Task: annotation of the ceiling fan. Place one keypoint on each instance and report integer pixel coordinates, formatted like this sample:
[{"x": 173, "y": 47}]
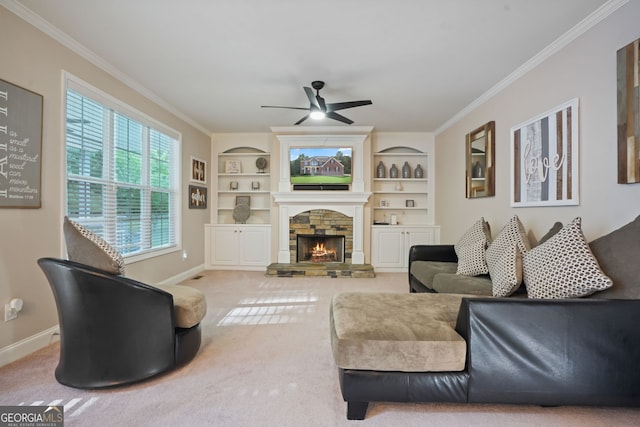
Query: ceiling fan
[{"x": 318, "y": 108}]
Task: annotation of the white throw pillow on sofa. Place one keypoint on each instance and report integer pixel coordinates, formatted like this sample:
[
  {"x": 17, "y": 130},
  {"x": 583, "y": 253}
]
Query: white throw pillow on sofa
[
  {"x": 504, "y": 258},
  {"x": 471, "y": 248},
  {"x": 563, "y": 266}
]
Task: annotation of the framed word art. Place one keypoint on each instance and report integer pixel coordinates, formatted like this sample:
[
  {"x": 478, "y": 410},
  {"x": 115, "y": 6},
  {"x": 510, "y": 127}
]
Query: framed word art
[
  {"x": 544, "y": 158},
  {"x": 20, "y": 146},
  {"x": 197, "y": 197}
]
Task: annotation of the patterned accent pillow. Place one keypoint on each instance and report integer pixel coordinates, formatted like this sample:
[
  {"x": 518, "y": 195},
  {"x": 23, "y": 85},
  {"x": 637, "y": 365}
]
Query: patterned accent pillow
[
  {"x": 86, "y": 247},
  {"x": 563, "y": 266},
  {"x": 504, "y": 258},
  {"x": 471, "y": 248}
]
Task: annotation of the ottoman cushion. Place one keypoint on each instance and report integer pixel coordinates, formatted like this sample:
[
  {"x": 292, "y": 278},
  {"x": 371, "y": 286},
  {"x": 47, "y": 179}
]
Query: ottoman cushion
[{"x": 396, "y": 332}]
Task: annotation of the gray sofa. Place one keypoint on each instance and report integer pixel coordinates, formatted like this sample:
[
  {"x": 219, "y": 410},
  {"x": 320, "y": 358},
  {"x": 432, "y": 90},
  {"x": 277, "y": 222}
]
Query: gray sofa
[{"x": 460, "y": 347}]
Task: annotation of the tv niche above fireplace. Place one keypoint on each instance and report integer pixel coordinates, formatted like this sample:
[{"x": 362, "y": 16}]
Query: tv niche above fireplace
[
  {"x": 320, "y": 248},
  {"x": 320, "y": 168}
]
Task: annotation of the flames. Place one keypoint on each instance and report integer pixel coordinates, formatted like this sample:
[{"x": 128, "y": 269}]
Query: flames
[{"x": 320, "y": 253}]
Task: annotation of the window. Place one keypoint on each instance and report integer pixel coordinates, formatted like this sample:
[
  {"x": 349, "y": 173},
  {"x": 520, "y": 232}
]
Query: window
[{"x": 122, "y": 173}]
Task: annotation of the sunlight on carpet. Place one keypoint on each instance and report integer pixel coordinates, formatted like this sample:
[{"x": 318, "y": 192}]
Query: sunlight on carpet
[{"x": 270, "y": 310}]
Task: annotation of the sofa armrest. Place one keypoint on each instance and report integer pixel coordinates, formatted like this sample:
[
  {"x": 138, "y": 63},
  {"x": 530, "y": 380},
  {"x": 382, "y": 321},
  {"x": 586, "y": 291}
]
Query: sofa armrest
[
  {"x": 552, "y": 352},
  {"x": 442, "y": 253}
]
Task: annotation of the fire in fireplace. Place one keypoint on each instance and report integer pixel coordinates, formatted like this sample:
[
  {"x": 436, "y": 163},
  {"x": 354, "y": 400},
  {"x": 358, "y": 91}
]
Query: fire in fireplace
[{"x": 320, "y": 248}]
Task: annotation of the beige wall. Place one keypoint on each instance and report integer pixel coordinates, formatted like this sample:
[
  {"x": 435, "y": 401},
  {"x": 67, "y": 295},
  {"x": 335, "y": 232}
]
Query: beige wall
[
  {"x": 34, "y": 61},
  {"x": 585, "y": 69}
]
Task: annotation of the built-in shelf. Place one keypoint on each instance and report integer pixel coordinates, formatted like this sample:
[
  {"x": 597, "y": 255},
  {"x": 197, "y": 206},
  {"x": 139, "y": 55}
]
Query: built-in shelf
[
  {"x": 247, "y": 175},
  {"x": 403, "y": 199}
]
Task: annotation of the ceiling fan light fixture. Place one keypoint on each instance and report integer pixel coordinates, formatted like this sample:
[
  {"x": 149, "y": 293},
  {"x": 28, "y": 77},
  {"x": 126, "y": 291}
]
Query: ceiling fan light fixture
[
  {"x": 319, "y": 109},
  {"x": 317, "y": 115}
]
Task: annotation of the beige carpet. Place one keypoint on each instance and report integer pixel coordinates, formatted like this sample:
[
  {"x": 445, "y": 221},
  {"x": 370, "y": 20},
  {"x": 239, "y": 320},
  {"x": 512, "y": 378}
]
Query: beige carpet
[{"x": 266, "y": 361}]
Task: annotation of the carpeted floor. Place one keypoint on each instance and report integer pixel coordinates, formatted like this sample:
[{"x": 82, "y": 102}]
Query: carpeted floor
[{"x": 265, "y": 361}]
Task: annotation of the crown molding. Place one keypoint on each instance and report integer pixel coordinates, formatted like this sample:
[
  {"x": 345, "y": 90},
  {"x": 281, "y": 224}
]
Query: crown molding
[
  {"x": 46, "y": 27},
  {"x": 579, "y": 29}
]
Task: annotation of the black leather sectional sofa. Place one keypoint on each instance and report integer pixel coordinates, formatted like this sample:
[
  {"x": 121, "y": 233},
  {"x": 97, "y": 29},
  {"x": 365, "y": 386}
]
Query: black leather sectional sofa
[{"x": 529, "y": 351}]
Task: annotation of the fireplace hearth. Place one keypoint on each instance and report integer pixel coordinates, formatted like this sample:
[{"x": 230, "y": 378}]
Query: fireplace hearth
[{"x": 320, "y": 248}]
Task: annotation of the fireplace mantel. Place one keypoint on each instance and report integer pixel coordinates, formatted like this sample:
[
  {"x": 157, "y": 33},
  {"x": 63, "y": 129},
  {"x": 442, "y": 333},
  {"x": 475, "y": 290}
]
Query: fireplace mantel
[
  {"x": 348, "y": 203},
  {"x": 300, "y": 201}
]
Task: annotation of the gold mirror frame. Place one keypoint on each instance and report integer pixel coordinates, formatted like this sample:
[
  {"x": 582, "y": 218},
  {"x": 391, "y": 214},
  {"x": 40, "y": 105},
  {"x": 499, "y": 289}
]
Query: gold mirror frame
[{"x": 480, "y": 154}]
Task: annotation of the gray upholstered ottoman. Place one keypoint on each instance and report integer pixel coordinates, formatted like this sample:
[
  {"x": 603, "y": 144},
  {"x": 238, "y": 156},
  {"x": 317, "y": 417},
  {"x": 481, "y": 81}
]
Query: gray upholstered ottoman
[{"x": 396, "y": 332}]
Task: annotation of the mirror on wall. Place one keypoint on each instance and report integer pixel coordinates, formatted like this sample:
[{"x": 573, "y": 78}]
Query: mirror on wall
[{"x": 480, "y": 161}]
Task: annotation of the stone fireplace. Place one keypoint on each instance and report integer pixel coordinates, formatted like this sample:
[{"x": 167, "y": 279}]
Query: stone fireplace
[
  {"x": 317, "y": 212},
  {"x": 319, "y": 248},
  {"x": 331, "y": 231}
]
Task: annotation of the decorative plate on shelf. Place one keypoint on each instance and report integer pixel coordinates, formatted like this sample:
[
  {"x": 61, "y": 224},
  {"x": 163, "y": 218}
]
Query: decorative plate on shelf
[
  {"x": 241, "y": 213},
  {"x": 261, "y": 163}
]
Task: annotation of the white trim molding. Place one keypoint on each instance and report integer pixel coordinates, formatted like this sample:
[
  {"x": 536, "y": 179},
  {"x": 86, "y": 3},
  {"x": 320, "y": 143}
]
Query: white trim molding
[{"x": 24, "y": 347}]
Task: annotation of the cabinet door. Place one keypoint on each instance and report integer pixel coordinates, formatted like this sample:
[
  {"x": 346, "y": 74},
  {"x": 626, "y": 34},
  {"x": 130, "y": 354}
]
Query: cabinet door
[
  {"x": 417, "y": 236},
  {"x": 224, "y": 246},
  {"x": 388, "y": 247},
  {"x": 253, "y": 246}
]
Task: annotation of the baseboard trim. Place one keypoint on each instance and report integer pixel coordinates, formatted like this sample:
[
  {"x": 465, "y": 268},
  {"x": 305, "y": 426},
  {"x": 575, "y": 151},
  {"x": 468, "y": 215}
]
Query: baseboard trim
[
  {"x": 185, "y": 275},
  {"x": 24, "y": 347}
]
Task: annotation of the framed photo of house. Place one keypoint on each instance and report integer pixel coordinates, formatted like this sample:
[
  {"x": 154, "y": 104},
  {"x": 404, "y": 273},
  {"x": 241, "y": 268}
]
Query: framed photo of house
[
  {"x": 544, "y": 158},
  {"x": 409, "y": 203},
  {"x": 197, "y": 197},
  {"x": 198, "y": 170}
]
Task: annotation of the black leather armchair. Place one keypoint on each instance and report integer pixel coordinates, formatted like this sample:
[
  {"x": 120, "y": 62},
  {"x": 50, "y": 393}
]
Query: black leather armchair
[{"x": 114, "y": 330}]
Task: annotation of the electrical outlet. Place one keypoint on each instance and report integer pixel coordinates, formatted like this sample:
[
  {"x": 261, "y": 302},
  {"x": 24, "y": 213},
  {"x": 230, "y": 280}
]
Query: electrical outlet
[{"x": 9, "y": 313}]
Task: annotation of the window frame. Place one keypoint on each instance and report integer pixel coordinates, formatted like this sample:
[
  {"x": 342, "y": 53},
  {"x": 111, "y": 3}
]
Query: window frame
[{"x": 71, "y": 82}]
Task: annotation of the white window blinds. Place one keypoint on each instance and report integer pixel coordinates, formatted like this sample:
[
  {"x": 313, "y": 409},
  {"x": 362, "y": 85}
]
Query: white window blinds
[{"x": 122, "y": 176}]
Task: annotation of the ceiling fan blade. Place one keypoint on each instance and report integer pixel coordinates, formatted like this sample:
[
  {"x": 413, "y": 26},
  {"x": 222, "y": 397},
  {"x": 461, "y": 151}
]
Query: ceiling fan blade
[
  {"x": 288, "y": 108},
  {"x": 301, "y": 120},
  {"x": 344, "y": 105},
  {"x": 321, "y": 103},
  {"x": 339, "y": 117},
  {"x": 312, "y": 98}
]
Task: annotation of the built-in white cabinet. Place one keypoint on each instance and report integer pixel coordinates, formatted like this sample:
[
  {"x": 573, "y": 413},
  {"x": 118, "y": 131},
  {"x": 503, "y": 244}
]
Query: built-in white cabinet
[
  {"x": 237, "y": 245},
  {"x": 401, "y": 205},
  {"x": 390, "y": 244}
]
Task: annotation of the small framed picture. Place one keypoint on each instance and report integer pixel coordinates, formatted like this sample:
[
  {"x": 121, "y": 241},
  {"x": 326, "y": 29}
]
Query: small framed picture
[
  {"x": 198, "y": 170},
  {"x": 384, "y": 203},
  {"x": 232, "y": 166},
  {"x": 243, "y": 200},
  {"x": 197, "y": 197},
  {"x": 409, "y": 203},
  {"x": 255, "y": 185},
  {"x": 233, "y": 185}
]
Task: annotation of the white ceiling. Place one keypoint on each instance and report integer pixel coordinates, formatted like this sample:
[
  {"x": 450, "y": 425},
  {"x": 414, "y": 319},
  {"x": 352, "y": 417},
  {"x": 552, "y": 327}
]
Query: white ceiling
[{"x": 215, "y": 62}]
